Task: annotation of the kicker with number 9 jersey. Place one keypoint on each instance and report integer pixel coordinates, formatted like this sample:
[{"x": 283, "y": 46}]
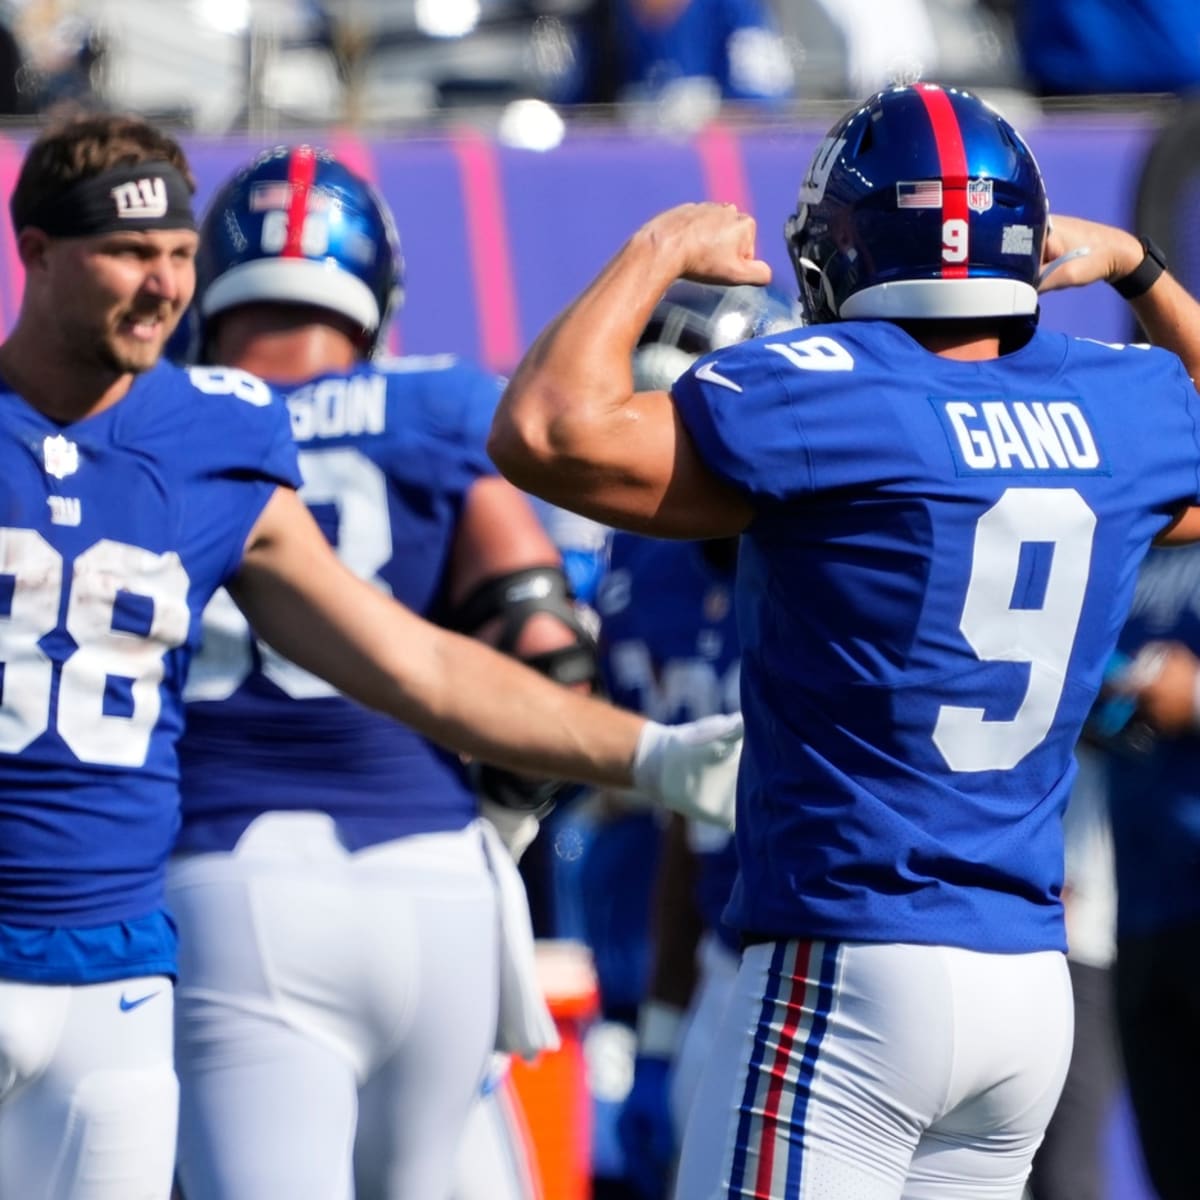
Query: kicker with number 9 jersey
[
  {"x": 114, "y": 533},
  {"x": 957, "y": 545}
]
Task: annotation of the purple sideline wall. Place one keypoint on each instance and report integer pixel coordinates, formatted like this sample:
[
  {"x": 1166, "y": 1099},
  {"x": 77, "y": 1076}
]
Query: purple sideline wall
[{"x": 496, "y": 240}]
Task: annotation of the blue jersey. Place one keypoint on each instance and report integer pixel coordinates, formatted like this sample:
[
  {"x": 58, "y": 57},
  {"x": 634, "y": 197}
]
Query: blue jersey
[
  {"x": 388, "y": 453},
  {"x": 1154, "y": 795},
  {"x": 116, "y": 531},
  {"x": 669, "y": 649},
  {"x": 941, "y": 557}
]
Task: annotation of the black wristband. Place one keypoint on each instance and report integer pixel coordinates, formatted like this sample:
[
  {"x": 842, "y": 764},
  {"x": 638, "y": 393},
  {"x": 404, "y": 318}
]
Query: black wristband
[{"x": 1143, "y": 277}]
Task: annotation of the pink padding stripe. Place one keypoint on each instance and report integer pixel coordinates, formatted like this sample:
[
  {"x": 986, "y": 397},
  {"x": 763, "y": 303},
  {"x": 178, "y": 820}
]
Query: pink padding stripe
[
  {"x": 723, "y": 167},
  {"x": 13, "y": 286},
  {"x": 487, "y": 239},
  {"x": 354, "y": 153}
]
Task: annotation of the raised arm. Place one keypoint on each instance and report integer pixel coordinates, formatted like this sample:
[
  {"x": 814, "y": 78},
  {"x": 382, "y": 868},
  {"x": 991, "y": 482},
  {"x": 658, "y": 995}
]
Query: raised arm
[
  {"x": 1091, "y": 252},
  {"x": 1079, "y": 252},
  {"x": 570, "y": 427}
]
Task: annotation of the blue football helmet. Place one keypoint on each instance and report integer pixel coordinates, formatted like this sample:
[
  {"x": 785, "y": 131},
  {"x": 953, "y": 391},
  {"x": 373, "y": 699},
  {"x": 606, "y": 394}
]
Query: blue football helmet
[
  {"x": 298, "y": 227},
  {"x": 693, "y": 319},
  {"x": 922, "y": 203}
]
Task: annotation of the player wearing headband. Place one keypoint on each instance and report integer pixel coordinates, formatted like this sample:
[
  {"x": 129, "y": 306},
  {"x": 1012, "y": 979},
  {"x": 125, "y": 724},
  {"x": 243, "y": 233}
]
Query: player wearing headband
[{"x": 129, "y": 492}]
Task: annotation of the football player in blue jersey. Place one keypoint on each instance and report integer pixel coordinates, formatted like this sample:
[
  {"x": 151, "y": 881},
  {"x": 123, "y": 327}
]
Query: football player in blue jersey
[
  {"x": 942, "y": 510},
  {"x": 1152, "y": 770},
  {"x": 346, "y": 833},
  {"x": 130, "y": 491}
]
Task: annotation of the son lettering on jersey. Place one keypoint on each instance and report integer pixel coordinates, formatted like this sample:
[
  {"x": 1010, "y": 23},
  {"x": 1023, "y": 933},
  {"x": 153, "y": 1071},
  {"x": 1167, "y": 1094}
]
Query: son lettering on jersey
[
  {"x": 1019, "y": 436},
  {"x": 333, "y": 408}
]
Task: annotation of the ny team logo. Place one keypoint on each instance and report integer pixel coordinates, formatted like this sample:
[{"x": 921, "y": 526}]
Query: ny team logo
[{"x": 141, "y": 198}]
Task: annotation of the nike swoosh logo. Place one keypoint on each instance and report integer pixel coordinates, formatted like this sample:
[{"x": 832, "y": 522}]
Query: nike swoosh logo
[
  {"x": 710, "y": 375},
  {"x": 127, "y": 1005}
]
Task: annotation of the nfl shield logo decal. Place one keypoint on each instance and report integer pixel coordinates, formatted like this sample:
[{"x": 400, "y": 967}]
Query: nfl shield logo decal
[
  {"x": 60, "y": 456},
  {"x": 979, "y": 195}
]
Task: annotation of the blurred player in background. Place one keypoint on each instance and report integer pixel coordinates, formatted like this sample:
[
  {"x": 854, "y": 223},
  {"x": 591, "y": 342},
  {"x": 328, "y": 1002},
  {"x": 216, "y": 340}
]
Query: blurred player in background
[
  {"x": 583, "y": 545},
  {"x": 1073, "y": 1161},
  {"x": 131, "y": 491},
  {"x": 1153, "y": 770},
  {"x": 343, "y": 847},
  {"x": 942, "y": 509},
  {"x": 669, "y": 650}
]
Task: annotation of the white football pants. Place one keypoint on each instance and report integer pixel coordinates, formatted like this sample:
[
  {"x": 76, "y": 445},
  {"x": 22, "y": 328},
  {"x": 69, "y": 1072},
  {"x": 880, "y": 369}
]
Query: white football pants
[
  {"x": 496, "y": 1159},
  {"x": 88, "y": 1099},
  {"x": 335, "y": 1012},
  {"x": 879, "y": 1071}
]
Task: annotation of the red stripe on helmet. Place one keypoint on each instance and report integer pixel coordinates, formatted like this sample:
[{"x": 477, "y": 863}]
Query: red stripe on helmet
[
  {"x": 302, "y": 170},
  {"x": 952, "y": 160}
]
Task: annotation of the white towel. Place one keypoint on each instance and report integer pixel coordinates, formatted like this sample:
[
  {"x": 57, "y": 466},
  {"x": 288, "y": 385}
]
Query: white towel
[{"x": 524, "y": 1025}]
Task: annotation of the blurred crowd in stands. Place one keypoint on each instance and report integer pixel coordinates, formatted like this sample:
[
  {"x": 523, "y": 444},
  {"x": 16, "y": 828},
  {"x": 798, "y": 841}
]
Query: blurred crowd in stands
[{"x": 216, "y": 65}]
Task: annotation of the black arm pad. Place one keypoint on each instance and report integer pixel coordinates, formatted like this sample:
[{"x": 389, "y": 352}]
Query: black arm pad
[
  {"x": 516, "y": 597},
  {"x": 513, "y": 599}
]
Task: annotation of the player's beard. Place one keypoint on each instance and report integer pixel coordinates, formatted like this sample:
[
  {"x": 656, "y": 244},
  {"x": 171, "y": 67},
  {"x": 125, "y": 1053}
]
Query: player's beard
[{"x": 127, "y": 356}]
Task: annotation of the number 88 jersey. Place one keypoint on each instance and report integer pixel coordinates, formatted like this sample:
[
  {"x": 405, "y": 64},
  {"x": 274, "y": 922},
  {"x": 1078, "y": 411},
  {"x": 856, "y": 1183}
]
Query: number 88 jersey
[
  {"x": 114, "y": 533},
  {"x": 942, "y": 555}
]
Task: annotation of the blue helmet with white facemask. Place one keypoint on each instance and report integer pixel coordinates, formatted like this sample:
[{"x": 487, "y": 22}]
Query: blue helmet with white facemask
[{"x": 298, "y": 227}]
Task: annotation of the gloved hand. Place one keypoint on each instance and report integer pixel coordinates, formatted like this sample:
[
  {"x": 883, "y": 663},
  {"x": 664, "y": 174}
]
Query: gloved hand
[
  {"x": 644, "y": 1129},
  {"x": 691, "y": 769}
]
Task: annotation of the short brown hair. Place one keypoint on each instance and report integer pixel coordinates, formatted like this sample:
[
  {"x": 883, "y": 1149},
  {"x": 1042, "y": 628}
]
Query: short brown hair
[{"x": 83, "y": 147}]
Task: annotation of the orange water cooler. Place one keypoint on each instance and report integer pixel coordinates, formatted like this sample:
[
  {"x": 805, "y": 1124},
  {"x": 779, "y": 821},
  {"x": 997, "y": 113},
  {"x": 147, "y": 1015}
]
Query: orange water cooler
[{"x": 553, "y": 1089}]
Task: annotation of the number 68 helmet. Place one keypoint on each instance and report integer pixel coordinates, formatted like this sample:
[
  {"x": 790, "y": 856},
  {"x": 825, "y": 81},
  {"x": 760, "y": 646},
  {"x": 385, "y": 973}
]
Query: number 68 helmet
[
  {"x": 922, "y": 203},
  {"x": 298, "y": 227}
]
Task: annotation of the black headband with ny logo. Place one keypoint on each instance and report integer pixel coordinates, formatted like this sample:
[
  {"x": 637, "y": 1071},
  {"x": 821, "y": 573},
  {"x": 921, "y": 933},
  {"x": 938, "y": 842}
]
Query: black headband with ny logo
[{"x": 151, "y": 195}]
